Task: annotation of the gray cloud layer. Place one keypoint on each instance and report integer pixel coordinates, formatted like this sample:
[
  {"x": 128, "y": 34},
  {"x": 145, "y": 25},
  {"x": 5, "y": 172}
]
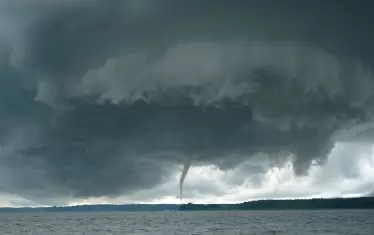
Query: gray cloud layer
[{"x": 100, "y": 98}]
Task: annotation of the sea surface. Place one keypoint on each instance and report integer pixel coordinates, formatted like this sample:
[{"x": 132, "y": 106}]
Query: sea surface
[{"x": 221, "y": 222}]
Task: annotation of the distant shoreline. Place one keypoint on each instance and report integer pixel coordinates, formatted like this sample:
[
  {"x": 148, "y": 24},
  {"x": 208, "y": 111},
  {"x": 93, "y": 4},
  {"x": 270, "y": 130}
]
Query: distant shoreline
[
  {"x": 361, "y": 203},
  {"x": 295, "y": 204}
]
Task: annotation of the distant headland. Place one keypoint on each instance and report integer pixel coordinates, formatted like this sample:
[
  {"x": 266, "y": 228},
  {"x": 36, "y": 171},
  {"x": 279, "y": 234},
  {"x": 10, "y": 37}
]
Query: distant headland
[{"x": 296, "y": 204}]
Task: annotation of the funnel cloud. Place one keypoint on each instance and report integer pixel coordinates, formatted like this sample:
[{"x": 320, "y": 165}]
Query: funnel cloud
[
  {"x": 102, "y": 98},
  {"x": 186, "y": 167}
]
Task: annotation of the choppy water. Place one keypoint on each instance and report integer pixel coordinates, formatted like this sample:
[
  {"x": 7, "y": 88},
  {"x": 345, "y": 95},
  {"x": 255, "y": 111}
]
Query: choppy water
[{"x": 241, "y": 222}]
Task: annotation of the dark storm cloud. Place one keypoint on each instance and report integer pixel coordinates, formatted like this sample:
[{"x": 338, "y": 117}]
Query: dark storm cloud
[{"x": 105, "y": 97}]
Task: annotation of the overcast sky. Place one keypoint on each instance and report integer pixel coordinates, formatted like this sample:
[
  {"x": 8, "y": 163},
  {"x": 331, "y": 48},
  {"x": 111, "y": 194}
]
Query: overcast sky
[{"x": 106, "y": 100}]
